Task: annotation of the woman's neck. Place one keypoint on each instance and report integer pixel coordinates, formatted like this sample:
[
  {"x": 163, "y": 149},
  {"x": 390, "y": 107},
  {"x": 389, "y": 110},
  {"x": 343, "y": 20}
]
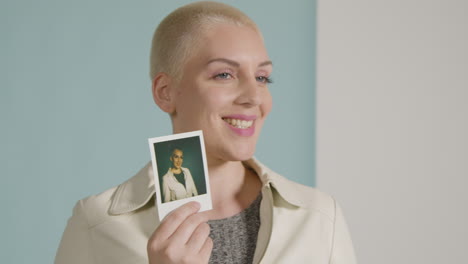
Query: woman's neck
[
  {"x": 176, "y": 170},
  {"x": 233, "y": 188}
]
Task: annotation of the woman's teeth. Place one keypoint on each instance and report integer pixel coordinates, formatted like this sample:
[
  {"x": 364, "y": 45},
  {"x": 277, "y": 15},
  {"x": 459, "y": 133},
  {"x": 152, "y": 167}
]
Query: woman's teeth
[{"x": 238, "y": 123}]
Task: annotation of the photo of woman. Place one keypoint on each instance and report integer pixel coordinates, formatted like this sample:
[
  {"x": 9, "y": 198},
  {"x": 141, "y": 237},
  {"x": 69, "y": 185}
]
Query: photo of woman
[{"x": 178, "y": 182}]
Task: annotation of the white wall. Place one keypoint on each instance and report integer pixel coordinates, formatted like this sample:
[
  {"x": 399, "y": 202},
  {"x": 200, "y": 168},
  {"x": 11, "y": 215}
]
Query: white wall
[{"x": 392, "y": 120}]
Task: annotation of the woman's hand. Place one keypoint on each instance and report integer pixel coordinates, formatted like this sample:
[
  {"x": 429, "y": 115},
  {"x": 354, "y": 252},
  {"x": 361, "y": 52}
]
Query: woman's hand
[{"x": 182, "y": 237}]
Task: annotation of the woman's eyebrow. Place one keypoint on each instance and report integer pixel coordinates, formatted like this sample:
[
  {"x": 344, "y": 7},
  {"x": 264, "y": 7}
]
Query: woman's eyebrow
[
  {"x": 228, "y": 61},
  {"x": 236, "y": 64},
  {"x": 265, "y": 63}
]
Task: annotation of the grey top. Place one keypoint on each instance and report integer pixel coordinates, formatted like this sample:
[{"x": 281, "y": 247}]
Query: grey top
[{"x": 235, "y": 238}]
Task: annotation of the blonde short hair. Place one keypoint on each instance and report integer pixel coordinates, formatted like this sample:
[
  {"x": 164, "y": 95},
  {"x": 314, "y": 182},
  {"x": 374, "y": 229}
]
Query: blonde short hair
[{"x": 176, "y": 36}]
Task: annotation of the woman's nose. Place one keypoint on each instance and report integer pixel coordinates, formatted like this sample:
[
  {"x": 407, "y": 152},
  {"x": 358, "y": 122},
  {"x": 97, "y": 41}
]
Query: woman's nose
[{"x": 250, "y": 93}]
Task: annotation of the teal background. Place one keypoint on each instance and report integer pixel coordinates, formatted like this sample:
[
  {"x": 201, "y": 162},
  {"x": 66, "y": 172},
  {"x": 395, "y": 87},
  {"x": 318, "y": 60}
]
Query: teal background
[
  {"x": 193, "y": 160},
  {"x": 76, "y": 108}
]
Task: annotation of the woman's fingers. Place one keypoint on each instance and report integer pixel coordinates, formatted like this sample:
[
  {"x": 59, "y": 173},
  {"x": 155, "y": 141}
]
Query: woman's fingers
[
  {"x": 198, "y": 238},
  {"x": 174, "y": 219},
  {"x": 186, "y": 229},
  {"x": 182, "y": 237},
  {"x": 205, "y": 251}
]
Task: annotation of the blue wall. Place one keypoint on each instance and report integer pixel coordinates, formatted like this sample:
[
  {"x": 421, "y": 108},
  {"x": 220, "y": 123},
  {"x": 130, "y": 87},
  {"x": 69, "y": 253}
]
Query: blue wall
[{"x": 76, "y": 108}]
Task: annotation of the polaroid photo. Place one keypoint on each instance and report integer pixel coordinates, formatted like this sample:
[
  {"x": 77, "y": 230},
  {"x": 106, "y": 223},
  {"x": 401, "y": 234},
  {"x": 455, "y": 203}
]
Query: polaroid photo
[{"x": 180, "y": 171}]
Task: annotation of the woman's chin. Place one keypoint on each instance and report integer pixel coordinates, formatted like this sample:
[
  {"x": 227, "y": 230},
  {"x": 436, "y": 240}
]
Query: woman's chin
[
  {"x": 238, "y": 151},
  {"x": 240, "y": 154}
]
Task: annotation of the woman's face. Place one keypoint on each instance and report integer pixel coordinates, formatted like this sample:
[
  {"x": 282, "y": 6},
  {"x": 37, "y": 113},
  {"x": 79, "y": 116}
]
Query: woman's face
[
  {"x": 177, "y": 158},
  {"x": 223, "y": 91}
]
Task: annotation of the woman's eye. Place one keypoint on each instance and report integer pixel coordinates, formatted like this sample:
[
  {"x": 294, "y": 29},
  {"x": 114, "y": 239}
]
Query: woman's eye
[
  {"x": 223, "y": 75},
  {"x": 264, "y": 79}
]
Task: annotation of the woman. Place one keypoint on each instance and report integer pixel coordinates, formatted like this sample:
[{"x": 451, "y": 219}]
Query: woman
[
  {"x": 177, "y": 183},
  {"x": 210, "y": 72}
]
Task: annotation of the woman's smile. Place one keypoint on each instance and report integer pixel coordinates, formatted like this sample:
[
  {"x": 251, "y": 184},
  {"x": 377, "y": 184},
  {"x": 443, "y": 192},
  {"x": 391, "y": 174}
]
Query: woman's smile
[{"x": 242, "y": 125}]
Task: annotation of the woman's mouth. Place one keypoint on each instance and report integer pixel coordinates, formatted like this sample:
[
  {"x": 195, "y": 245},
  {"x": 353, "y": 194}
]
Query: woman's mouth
[
  {"x": 239, "y": 123},
  {"x": 242, "y": 125}
]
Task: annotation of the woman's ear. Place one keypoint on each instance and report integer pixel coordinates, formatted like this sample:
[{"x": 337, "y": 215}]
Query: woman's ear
[{"x": 162, "y": 92}]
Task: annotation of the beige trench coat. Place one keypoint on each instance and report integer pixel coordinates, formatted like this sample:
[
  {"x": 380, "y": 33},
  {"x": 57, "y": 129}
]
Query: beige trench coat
[{"x": 299, "y": 224}]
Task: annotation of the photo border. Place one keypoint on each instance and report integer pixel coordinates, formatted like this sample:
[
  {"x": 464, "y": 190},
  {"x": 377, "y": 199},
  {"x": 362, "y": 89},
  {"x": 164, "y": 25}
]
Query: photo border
[{"x": 204, "y": 199}]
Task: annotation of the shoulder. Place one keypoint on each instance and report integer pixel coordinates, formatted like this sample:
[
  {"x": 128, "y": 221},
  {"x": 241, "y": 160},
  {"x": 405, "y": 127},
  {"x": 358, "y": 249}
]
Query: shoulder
[
  {"x": 120, "y": 200},
  {"x": 305, "y": 197},
  {"x": 186, "y": 170},
  {"x": 95, "y": 208},
  {"x": 167, "y": 175}
]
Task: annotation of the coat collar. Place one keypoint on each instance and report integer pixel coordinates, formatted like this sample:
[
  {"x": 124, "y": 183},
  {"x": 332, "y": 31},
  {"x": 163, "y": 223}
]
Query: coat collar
[
  {"x": 169, "y": 172},
  {"x": 138, "y": 190}
]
